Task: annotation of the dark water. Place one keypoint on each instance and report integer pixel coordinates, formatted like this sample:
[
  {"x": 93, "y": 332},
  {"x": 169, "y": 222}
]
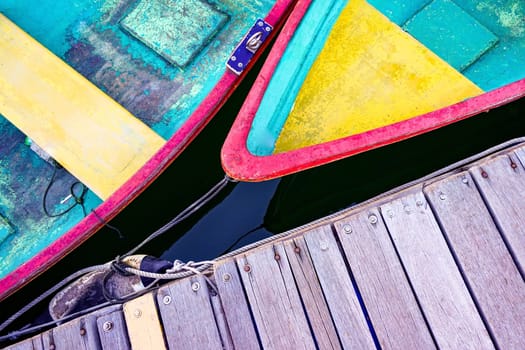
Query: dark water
[{"x": 247, "y": 212}]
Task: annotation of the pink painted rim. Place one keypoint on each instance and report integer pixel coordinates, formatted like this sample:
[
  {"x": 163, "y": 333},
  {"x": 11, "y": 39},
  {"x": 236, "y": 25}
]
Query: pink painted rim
[
  {"x": 145, "y": 176},
  {"x": 239, "y": 163}
]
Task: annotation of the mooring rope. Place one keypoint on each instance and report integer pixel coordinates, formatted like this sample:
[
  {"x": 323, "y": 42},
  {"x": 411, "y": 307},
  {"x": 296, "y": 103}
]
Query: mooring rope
[
  {"x": 179, "y": 270},
  {"x": 50, "y": 291},
  {"x": 186, "y": 212},
  {"x": 79, "y": 198},
  {"x": 190, "y": 268}
]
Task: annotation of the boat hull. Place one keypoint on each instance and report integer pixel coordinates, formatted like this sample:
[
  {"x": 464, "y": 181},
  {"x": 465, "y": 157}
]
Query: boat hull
[
  {"x": 252, "y": 150},
  {"x": 166, "y": 93}
]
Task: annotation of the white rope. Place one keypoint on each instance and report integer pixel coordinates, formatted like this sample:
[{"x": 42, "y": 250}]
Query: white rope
[{"x": 179, "y": 270}]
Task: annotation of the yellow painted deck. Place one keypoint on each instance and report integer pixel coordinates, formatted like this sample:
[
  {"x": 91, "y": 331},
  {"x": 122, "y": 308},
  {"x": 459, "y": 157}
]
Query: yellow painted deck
[
  {"x": 437, "y": 263},
  {"x": 86, "y": 131},
  {"x": 369, "y": 74}
]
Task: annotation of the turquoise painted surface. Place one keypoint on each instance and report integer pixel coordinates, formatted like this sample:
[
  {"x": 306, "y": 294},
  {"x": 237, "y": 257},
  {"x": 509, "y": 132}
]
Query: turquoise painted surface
[
  {"x": 451, "y": 33},
  {"x": 23, "y": 180},
  {"x": 483, "y": 39},
  {"x": 290, "y": 73},
  {"x": 181, "y": 28},
  {"x": 399, "y": 11},
  {"x": 88, "y": 35},
  {"x": 492, "y": 64}
]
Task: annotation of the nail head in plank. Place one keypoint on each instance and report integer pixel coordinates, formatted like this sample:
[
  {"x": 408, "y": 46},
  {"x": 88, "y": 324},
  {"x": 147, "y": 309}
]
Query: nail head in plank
[
  {"x": 142, "y": 320},
  {"x": 187, "y": 315},
  {"x": 79, "y": 334},
  {"x": 112, "y": 330},
  {"x": 483, "y": 257},
  {"x": 386, "y": 292},
  {"x": 311, "y": 294},
  {"x": 502, "y": 185},
  {"x": 339, "y": 291},
  {"x": 235, "y": 306},
  {"x": 433, "y": 273},
  {"x": 274, "y": 299}
]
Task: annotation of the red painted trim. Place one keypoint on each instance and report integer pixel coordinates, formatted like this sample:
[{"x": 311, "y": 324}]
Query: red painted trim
[
  {"x": 145, "y": 176},
  {"x": 242, "y": 165}
]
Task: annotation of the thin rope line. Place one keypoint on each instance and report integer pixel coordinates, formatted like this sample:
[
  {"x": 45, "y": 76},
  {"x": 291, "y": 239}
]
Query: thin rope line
[
  {"x": 181, "y": 216},
  {"x": 425, "y": 178},
  {"x": 185, "y": 213},
  {"x": 50, "y": 291},
  {"x": 203, "y": 266}
]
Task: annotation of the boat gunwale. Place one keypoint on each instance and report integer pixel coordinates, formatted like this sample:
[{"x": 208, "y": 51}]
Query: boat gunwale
[
  {"x": 152, "y": 169},
  {"x": 240, "y": 164}
]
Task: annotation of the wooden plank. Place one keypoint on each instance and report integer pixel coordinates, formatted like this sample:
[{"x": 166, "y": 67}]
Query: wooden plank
[
  {"x": 80, "y": 333},
  {"x": 274, "y": 299},
  {"x": 112, "y": 329},
  {"x": 86, "y": 131},
  {"x": 488, "y": 267},
  {"x": 386, "y": 292},
  {"x": 311, "y": 294},
  {"x": 338, "y": 289},
  {"x": 235, "y": 306},
  {"x": 520, "y": 153},
  {"x": 187, "y": 315},
  {"x": 220, "y": 319},
  {"x": 34, "y": 343},
  {"x": 38, "y": 343},
  {"x": 142, "y": 321},
  {"x": 432, "y": 271},
  {"x": 501, "y": 182}
]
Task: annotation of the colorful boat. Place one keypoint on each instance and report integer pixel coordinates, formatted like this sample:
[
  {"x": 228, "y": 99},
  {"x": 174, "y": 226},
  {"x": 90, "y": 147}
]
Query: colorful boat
[
  {"x": 345, "y": 77},
  {"x": 97, "y": 97}
]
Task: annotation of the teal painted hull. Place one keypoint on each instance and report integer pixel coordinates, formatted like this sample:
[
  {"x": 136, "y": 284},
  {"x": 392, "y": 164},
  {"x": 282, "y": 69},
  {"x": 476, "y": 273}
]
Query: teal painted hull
[
  {"x": 165, "y": 62},
  {"x": 479, "y": 43},
  {"x": 485, "y": 41}
]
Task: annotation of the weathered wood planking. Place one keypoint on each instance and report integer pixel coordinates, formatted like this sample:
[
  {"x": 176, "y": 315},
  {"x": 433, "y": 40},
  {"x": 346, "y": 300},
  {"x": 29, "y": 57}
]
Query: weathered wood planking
[
  {"x": 434, "y": 275},
  {"x": 34, "y": 343},
  {"x": 220, "y": 319},
  {"x": 339, "y": 291},
  {"x": 379, "y": 275},
  {"x": 520, "y": 153},
  {"x": 235, "y": 306},
  {"x": 274, "y": 299},
  {"x": 311, "y": 294},
  {"x": 142, "y": 320},
  {"x": 501, "y": 181},
  {"x": 112, "y": 330},
  {"x": 102, "y": 329},
  {"x": 187, "y": 315},
  {"x": 488, "y": 267}
]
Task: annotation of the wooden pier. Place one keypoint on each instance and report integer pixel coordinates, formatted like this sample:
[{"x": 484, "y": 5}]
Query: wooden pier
[{"x": 436, "y": 264}]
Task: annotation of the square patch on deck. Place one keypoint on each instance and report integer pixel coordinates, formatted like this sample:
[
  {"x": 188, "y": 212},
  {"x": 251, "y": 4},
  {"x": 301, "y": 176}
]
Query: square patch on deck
[
  {"x": 451, "y": 33},
  {"x": 176, "y": 29}
]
